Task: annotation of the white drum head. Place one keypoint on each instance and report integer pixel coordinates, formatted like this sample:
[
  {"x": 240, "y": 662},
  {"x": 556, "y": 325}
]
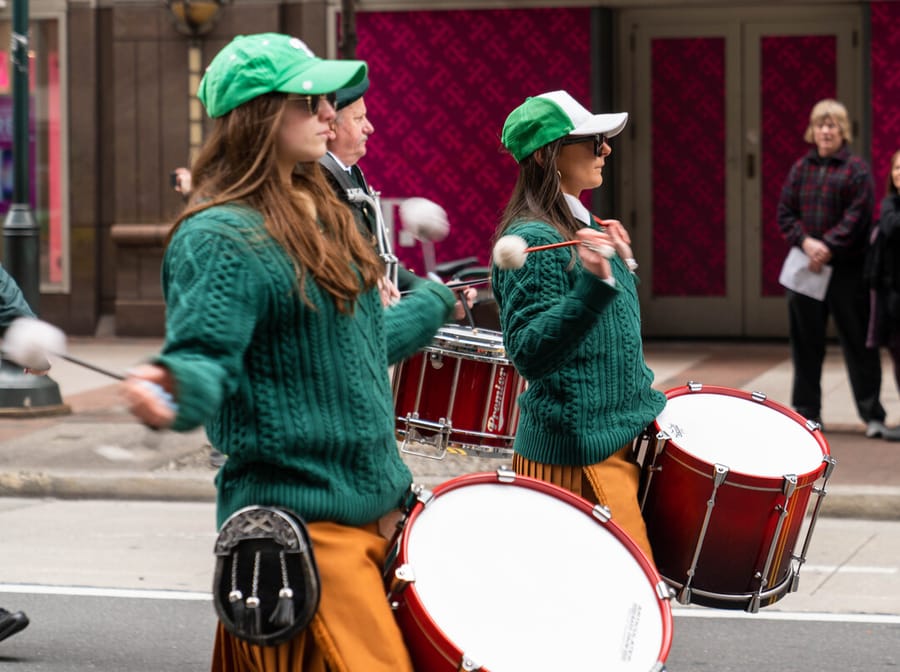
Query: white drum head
[
  {"x": 521, "y": 581},
  {"x": 746, "y": 436}
]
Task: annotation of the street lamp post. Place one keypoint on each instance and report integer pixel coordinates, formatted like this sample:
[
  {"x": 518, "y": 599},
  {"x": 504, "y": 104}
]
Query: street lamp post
[
  {"x": 23, "y": 394},
  {"x": 21, "y": 236}
]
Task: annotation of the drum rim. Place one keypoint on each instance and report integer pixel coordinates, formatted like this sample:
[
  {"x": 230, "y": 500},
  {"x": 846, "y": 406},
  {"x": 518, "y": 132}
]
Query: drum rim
[
  {"x": 421, "y": 616},
  {"x": 743, "y": 478}
]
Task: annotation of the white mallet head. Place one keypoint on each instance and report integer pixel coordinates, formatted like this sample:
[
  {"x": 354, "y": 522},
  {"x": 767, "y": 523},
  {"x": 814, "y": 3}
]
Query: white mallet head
[
  {"x": 509, "y": 252},
  {"x": 424, "y": 219},
  {"x": 29, "y": 342}
]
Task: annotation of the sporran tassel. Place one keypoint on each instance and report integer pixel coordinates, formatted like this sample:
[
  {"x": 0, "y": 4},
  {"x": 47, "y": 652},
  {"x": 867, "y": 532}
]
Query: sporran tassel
[
  {"x": 253, "y": 618},
  {"x": 236, "y": 600},
  {"x": 283, "y": 615}
]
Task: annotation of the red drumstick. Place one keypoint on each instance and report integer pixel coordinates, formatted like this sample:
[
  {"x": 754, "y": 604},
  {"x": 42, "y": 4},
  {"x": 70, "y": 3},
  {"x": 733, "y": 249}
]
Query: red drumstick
[{"x": 510, "y": 251}]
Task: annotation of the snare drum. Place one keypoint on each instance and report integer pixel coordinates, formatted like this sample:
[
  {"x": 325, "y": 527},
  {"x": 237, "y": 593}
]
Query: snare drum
[
  {"x": 459, "y": 392},
  {"x": 505, "y": 573},
  {"x": 726, "y": 485}
]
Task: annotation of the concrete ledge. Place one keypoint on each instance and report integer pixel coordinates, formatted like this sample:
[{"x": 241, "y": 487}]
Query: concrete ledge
[
  {"x": 169, "y": 487},
  {"x": 862, "y": 501}
]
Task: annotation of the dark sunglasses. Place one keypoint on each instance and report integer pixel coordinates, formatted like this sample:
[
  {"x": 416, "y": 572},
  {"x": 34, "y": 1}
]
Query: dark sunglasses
[
  {"x": 599, "y": 140},
  {"x": 312, "y": 102}
]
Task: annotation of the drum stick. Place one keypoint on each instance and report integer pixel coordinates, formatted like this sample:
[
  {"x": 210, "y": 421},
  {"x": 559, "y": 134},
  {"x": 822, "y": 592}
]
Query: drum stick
[
  {"x": 456, "y": 284},
  {"x": 510, "y": 251}
]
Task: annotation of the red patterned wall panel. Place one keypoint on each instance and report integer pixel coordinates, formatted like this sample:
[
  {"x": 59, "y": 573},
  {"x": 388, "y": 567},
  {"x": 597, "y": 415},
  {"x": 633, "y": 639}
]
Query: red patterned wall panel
[
  {"x": 885, "y": 18},
  {"x": 443, "y": 83},
  {"x": 796, "y": 73},
  {"x": 688, "y": 103}
]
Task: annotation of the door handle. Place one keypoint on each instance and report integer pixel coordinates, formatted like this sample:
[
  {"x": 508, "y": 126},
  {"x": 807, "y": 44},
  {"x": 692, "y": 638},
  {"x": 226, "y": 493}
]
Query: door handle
[{"x": 751, "y": 166}]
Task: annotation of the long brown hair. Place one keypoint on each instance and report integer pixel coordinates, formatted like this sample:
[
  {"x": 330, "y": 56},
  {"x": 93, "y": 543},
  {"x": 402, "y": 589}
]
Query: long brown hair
[
  {"x": 537, "y": 194},
  {"x": 237, "y": 165}
]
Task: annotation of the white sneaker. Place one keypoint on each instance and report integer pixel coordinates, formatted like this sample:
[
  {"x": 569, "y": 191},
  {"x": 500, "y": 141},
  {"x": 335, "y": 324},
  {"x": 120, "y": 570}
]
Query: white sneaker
[{"x": 875, "y": 429}]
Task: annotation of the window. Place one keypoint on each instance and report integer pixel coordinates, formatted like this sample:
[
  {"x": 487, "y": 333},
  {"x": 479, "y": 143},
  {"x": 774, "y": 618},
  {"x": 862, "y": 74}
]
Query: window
[{"x": 47, "y": 156}]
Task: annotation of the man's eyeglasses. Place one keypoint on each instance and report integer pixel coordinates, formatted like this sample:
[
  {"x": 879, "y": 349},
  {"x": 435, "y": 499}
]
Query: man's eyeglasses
[
  {"x": 599, "y": 140},
  {"x": 312, "y": 102}
]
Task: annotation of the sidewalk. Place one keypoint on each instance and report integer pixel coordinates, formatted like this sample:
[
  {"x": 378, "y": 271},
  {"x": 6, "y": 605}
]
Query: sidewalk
[{"x": 98, "y": 451}]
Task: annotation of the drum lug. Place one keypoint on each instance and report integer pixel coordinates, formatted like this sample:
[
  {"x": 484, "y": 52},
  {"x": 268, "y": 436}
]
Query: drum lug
[
  {"x": 684, "y": 595},
  {"x": 506, "y": 475},
  {"x": 664, "y": 591},
  {"x": 829, "y": 466},
  {"x": 789, "y": 486},
  {"x": 601, "y": 513},
  {"x": 753, "y": 605},
  {"x": 694, "y": 386},
  {"x": 758, "y": 396},
  {"x": 421, "y": 493},
  {"x": 467, "y": 665},
  {"x": 403, "y": 576}
]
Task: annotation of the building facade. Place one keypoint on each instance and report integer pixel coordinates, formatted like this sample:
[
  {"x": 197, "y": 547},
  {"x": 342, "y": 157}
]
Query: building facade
[{"x": 718, "y": 92}]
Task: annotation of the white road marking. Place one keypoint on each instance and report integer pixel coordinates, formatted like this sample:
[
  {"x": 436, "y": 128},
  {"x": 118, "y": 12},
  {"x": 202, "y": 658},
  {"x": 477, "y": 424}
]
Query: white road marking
[
  {"x": 848, "y": 569},
  {"x": 699, "y": 612}
]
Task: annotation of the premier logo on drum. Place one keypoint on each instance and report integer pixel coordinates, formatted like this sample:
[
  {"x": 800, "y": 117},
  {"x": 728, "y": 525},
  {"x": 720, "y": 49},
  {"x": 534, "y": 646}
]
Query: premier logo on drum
[
  {"x": 495, "y": 421},
  {"x": 632, "y": 624}
]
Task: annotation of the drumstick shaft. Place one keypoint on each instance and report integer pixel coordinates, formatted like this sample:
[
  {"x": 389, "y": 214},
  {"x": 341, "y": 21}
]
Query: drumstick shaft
[
  {"x": 456, "y": 284},
  {"x": 551, "y": 246},
  {"x": 602, "y": 249}
]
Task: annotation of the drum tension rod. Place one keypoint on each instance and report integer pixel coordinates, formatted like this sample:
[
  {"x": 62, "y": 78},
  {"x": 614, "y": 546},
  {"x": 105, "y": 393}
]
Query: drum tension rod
[{"x": 720, "y": 473}]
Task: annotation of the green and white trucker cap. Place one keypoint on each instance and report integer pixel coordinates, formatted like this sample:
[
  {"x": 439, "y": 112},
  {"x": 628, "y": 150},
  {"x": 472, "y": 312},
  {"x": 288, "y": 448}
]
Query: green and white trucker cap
[{"x": 542, "y": 119}]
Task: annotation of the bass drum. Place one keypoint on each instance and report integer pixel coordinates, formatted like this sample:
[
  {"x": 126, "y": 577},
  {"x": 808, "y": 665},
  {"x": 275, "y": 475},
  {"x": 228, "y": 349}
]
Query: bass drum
[
  {"x": 727, "y": 482},
  {"x": 505, "y": 573}
]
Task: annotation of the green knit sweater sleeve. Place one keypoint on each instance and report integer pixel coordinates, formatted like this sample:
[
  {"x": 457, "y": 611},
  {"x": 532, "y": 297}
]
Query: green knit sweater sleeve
[
  {"x": 548, "y": 305},
  {"x": 411, "y": 324},
  {"x": 208, "y": 264}
]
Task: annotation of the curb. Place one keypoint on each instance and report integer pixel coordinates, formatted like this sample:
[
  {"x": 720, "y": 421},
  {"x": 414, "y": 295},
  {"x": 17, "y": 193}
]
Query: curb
[
  {"x": 872, "y": 502},
  {"x": 111, "y": 485},
  {"x": 841, "y": 501}
]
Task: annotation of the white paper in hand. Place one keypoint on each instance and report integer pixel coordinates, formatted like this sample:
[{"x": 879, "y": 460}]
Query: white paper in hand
[{"x": 796, "y": 276}]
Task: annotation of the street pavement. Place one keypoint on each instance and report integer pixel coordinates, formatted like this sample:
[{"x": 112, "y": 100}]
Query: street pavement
[{"x": 97, "y": 451}]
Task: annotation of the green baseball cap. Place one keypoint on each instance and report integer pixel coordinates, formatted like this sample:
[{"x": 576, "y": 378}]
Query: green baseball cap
[
  {"x": 351, "y": 94},
  {"x": 542, "y": 119},
  {"x": 252, "y": 65}
]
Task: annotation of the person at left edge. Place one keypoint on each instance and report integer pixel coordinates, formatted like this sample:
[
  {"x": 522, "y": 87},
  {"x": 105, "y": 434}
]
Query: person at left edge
[
  {"x": 277, "y": 341},
  {"x": 12, "y": 306}
]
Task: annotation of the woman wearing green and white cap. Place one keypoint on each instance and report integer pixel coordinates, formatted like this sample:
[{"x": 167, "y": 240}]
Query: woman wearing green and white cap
[
  {"x": 277, "y": 342},
  {"x": 570, "y": 316}
]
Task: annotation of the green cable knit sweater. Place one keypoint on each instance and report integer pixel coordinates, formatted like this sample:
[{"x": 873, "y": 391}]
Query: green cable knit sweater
[
  {"x": 577, "y": 341},
  {"x": 298, "y": 398}
]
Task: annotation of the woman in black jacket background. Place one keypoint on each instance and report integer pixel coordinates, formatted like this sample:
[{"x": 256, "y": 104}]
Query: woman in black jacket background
[{"x": 883, "y": 273}]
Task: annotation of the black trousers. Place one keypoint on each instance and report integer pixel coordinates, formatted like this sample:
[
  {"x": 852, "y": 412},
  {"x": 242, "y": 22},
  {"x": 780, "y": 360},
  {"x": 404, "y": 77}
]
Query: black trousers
[{"x": 847, "y": 301}]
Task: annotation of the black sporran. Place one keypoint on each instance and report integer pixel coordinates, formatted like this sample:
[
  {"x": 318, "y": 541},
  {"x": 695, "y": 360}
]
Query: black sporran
[{"x": 266, "y": 584}]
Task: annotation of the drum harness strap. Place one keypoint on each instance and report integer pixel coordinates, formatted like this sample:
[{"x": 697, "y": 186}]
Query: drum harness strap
[{"x": 368, "y": 196}]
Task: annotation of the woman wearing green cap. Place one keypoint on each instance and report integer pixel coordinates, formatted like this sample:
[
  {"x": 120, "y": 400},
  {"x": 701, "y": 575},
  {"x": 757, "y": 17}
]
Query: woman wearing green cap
[
  {"x": 277, "y": 342},
  {"x": 570, "y": 316}
]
